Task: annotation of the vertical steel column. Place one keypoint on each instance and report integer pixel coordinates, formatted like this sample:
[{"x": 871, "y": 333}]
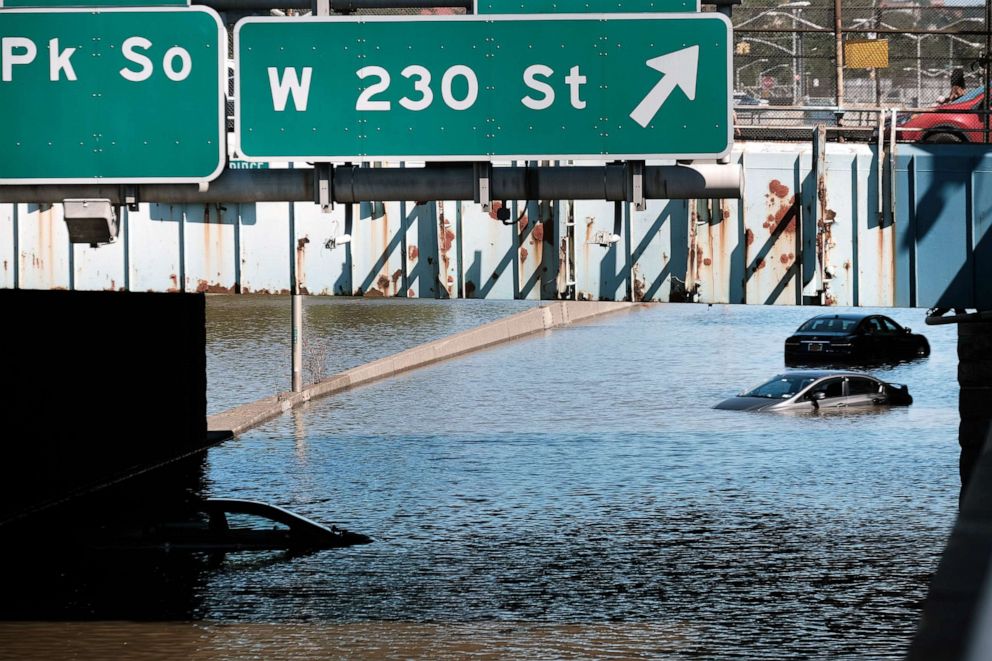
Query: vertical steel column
[
  {"x": 296, "y": 326},
  {"x": 839, "y": 47}
]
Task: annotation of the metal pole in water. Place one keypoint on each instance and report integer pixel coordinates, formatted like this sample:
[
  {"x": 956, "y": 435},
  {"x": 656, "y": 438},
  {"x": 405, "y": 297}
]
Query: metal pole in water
[
  {"x": 296, "y": 325},
  {"x": 297, "y": 344}
]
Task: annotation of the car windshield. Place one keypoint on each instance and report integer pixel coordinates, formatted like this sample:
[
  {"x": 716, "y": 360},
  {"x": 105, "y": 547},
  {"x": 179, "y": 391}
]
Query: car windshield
[
  {"x": 970, "y": 95},
  {"x": 829, "y": 325},
  {"x": 782, "y": 386}
]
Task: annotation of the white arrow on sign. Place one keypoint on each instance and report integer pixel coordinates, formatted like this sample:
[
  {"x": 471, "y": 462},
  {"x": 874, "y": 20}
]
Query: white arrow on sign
[{"x": 679, "y": 69}]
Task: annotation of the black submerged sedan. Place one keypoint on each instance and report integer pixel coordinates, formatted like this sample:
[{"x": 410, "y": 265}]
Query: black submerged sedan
[
  {"x": 853, "y": 337},
  {"x": 819, "y": 390}
]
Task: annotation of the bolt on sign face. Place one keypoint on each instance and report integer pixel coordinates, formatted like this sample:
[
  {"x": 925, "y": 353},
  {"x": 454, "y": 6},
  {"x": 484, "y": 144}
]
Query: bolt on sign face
[
  {"x": 111, "y": 95},
  {"x": 571, "y": 86}
]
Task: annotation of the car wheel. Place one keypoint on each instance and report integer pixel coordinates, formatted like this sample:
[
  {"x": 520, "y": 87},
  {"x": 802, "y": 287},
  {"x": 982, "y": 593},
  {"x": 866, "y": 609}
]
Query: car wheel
[{"x": 943, "y": 138}]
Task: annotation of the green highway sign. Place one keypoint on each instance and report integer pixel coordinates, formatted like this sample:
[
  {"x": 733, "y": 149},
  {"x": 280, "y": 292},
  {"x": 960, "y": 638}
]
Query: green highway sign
[
  {"x": 11, "y": 4},
  {"x": 582, "y": 6},
  {"x": 588, "y": 86},
  {"x": 111, "y": 95}
]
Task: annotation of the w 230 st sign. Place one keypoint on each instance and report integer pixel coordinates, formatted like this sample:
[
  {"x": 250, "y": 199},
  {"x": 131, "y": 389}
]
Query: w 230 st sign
[{"x": 477, "y": 88}]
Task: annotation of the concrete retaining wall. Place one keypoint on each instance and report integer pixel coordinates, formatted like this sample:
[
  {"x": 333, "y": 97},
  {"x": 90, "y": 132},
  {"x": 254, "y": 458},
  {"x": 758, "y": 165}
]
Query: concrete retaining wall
[{"x": 546, "y": 317}]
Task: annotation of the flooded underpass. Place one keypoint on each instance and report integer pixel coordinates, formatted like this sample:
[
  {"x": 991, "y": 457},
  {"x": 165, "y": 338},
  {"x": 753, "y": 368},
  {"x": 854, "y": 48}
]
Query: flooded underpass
[{"x": 569, "y": 494}]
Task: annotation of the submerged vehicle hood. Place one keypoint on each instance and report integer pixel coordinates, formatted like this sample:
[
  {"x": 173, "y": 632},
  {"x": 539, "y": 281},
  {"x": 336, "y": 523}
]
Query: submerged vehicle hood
[{"x": 747, "y": 403}]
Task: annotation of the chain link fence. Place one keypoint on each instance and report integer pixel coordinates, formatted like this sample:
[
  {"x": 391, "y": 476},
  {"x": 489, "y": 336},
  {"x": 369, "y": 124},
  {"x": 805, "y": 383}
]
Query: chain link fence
[{"x": 801, "y": 63}]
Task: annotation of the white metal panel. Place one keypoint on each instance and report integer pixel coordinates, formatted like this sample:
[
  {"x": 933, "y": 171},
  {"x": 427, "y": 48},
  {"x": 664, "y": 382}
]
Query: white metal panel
[
  {"x": 8, "y": 262},
  {"x": 154, "y": 248},
  {"x": 43, "y": 247}
]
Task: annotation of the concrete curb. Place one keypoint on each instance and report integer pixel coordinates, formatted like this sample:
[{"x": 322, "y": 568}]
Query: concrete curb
[{"x": 546, "y": 317}]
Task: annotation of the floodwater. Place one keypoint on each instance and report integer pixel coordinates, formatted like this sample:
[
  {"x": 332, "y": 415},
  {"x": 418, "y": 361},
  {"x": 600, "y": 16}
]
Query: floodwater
[{"x": 569, "y": 494}]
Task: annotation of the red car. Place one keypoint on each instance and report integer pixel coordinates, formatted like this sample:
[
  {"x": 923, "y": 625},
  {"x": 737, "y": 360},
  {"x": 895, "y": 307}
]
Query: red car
[{"x": 958, "y": 121}]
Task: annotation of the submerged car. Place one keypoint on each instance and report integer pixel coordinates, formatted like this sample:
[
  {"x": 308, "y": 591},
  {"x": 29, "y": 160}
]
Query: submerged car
[
  {"x": 812, "y": 390},
  {"x": 853, "y": 338},
  {"x": 232, "y": 524}
]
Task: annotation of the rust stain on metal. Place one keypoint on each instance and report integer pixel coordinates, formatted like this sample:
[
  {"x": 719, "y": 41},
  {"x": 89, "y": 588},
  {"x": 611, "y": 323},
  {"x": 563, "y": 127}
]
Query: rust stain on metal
[
  {"x": 761, "y": 265},
  {"x": 640, "y": 283},
  {"x": 301, "y": 250},
  {"x": 469, "y": 289},
  {"x": 748, "y": 237},
  {"x": 537, "y": 235},
  {"x": 707, "y": 261},
  {"x": 412, "y": 253},
  {"x": 447, "y": 237},
  {"x": 397, "y": 274},
  {"x": 779, "y": 213},
  {"x": 777, "y": 188},
  {"x": 410, "y": 293},
  {"x": 383, "y": 283},
  {"x": 531, "y": 251},
  {"x": 204, "y": 287},
  {"x": 493, "y": 208},
  {"x": 824, "y": 238}
]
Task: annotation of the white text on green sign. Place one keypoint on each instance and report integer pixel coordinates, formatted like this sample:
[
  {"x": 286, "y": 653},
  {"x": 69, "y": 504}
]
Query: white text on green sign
[
  {"x": 455, "y": 88},
  {"x": 134, "y": 95}
]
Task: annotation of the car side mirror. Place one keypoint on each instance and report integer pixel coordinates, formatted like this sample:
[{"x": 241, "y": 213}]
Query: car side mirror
[
  {"x": 907, "y": 330},
  {"x": 818, "y": 395}
]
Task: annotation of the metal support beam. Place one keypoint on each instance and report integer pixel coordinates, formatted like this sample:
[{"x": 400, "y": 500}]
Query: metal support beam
[{"x": 452, "y": 181}]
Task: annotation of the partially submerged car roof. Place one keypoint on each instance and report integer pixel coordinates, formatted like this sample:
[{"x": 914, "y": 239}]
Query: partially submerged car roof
[
  {"x": 842, "y": 315},
  {"x": 819, "y": 374}
]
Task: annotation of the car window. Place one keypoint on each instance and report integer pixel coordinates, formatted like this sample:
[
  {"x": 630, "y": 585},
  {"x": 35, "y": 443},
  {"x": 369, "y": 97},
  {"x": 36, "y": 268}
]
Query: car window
[
  {"x": 253, "y": 522},
  {"x": 970, "y": 95},
  {"x": 890, "y": 326},
  {"x": 872, "y": 326},
  {"x": 832, "y": 387},
  {"x": 781, "y": 387},
  {"x": 815, "y": 325},
  {"x": 829, "y": 324},
  {"x": 858, "y": 386}
]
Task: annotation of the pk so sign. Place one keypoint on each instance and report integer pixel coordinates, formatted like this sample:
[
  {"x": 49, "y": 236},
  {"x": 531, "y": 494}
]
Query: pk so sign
[
  {"x": 477, "y": 88},
  {"x": 111, "y": 95}
]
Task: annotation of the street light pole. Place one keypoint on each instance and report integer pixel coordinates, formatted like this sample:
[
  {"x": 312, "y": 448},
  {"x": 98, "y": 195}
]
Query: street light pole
[{"x": 737, "y": 85}]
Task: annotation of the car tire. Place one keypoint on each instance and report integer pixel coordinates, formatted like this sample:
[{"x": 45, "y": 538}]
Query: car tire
[{"x": 943, "y": 138}]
